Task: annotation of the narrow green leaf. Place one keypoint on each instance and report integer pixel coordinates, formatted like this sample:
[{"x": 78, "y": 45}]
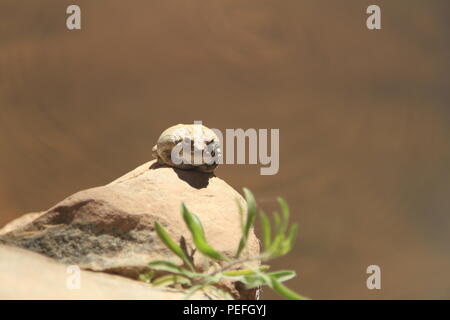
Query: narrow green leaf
[
  {"x": 277, "y": 222},
  {"x": 288, "y": 243},
  {"x": 250, "y": 219},
  {"x": 170, "y": 279},
  {"x": 256, "y": 280},
  {"x": 195, "y": 227},
  {"x": 285, "y": 215},
  {"x": 275, "y": 248},
  {"x": 292, "y": 235},
  {"x": 265, "y": 279},
  {"x": 284, "y": 291},
  {"x": 241, "y": 214},
  {"x": 290, "y": 240},
  {"x": 265, "y": 223},
  {"x": 252, "y": 282},
  {"x": 251, "y": 203},
  {"x": 282, "y": 275},
  {"x": 171, "y": 267},
  {"x": 172, "y": 245},
  {"x": 243, "y": 272}
]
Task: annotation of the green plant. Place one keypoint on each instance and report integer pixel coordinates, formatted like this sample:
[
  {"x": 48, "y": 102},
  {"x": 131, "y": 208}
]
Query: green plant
[{"x": 278, "y": 240}]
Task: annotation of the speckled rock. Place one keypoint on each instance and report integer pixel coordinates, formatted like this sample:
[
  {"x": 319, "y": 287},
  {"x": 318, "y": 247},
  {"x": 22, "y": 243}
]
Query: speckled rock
[{"x": 110, "y": 228}]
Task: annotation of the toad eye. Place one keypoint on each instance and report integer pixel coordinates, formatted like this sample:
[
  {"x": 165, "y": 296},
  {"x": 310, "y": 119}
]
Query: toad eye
[{"x": 209, "y": 142}]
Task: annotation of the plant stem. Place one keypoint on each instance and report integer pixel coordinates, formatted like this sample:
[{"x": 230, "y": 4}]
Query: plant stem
[{"x": 234, "y": 263}]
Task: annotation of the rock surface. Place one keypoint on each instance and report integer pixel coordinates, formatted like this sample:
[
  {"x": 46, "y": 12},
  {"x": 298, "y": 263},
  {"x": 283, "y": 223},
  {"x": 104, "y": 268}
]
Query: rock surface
[
  {"x": 20, "y": 222},
  {"x": 110, "y": 228},
  {"x": 26, "y": 275}
]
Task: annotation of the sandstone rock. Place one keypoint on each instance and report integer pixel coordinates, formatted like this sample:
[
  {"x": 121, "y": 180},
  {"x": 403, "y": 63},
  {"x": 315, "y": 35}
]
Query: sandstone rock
[
  {"x": 26, "y": 275},
  {"x": 20, "y": 222},
  {"x": 110, "y": 228}
]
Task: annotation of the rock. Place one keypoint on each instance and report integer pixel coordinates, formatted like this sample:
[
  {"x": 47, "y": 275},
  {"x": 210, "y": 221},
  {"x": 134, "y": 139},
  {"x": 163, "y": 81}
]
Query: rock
[
  {"x": 110, "y": 228},
  {"x": 20, "y": 222},
  {"x": 48, "y": 280}
]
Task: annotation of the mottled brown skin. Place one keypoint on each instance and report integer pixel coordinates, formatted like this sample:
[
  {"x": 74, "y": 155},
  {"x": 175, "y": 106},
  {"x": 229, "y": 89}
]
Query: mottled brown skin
[{"x": 200, "y": 138}]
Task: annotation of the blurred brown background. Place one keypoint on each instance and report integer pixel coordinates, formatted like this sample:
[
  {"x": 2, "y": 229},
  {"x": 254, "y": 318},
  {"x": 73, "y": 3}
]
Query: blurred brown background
[{"x": 363, "y": 115}]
